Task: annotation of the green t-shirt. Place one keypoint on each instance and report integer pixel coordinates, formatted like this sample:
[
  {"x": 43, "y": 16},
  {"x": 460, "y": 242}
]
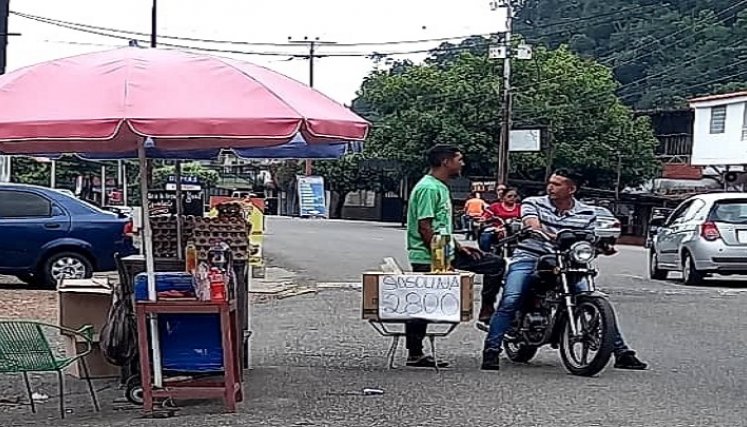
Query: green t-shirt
[{"x": 429, "y": 199}]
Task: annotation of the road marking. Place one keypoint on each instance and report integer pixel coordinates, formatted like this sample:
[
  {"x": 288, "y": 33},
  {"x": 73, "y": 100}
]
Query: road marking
[
  {"x": 693, "y": 290},
  {"x": 631, "y": 276},
  {"x": 339, "y": 285}
]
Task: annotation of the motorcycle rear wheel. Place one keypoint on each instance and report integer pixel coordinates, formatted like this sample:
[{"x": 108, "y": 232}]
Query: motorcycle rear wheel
[{"x": 602, "y": 321}]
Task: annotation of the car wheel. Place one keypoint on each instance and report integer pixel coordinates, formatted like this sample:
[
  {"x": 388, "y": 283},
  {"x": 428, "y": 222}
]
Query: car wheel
[
  {"x": 690, "y": 275},
  {"x": 66, "y": 265},
  {"x": 654, "y": 272}
]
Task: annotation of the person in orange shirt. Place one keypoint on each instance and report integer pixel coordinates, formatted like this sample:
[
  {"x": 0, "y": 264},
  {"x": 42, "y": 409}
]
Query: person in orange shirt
[{"x": 473, "y": 210}]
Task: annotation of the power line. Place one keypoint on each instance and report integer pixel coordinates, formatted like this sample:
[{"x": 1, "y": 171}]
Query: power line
[
  {"x": 240, "y": 52},
  {"x": 97, "y": 30},
  {"x": 230, "y": 51},
  {"x": 311, "y": 44},
  {"x": 680, "y": 65},
  {"x": 610, "y": 60},
  {"x": 275, "y": 44},
  {"x": 592, "y": 102},
  {"x": 682, "y": 31},
  {"x": 75, "y": 27},
  {"x": 591, "y": 17}
]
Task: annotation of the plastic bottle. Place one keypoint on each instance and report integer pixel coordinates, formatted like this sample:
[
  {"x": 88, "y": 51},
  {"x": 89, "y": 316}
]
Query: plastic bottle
[
  {"x": 442, "y": 251},
  {"x": 217, "y": 285},
  {"x": 190, "y": 257},
  {"x": 438, "y": 252}
]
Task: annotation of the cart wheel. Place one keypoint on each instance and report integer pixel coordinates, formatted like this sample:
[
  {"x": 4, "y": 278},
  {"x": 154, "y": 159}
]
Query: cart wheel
[
  {"x": 134, "y": 393},
  {"x": 169, "y": 404}
]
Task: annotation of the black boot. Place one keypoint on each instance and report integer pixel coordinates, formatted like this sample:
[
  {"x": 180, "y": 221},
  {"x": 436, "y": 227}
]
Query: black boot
[
  {"x": 490, "y": 360},
  {"x": 629, "y": 361}
]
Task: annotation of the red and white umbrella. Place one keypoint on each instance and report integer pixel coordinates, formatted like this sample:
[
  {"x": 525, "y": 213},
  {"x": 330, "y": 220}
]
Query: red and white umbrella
[
  {"x": 110, "y": 101},
  {"x": 114, "y": 101}
]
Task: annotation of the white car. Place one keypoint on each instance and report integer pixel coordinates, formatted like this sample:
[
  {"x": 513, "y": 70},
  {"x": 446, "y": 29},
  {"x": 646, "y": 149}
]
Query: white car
[{"x": 608, "y": 226}]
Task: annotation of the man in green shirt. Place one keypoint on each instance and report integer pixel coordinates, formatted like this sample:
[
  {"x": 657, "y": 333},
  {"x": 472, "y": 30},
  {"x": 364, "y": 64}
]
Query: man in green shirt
[{"x": 429, "y": 212}]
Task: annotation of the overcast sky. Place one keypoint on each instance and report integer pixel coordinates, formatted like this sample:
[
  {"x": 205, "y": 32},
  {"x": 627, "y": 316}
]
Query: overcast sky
[{"x": 267, "y": 21}]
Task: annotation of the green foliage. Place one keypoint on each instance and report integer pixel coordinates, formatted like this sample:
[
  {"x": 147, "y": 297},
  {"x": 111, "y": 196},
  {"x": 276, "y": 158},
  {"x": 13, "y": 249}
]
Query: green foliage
[
  {"x": 454, "y": 98},
  {"x": 662, "y": 53},
  {"x": 352, "y": 173},
  {"x": 29, "y": 171},
  {"x": 284, "y": 174}
]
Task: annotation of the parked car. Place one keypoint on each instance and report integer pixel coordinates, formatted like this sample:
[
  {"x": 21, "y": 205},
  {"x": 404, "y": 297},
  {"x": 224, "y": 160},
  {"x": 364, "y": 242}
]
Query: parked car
[
  {"x": 608, "y": 226},
  {"x": 48, "y": 235},
  {"x": 122, "y": 211},
  {"x": 65, "y": 191},
  {"x": 706, "y": 234}
]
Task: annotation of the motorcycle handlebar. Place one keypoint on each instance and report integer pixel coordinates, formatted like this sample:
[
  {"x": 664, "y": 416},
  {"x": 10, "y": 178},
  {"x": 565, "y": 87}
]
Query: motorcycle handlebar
[{"x": 528, "y": 232}]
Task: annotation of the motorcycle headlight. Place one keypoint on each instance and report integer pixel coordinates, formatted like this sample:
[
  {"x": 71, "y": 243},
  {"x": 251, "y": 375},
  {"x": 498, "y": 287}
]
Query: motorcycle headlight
[{"x": 582, "y": 252}]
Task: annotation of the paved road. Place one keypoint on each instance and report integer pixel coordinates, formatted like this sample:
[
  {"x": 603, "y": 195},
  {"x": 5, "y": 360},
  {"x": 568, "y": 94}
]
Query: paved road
[
  {"x": 693, "y": 337},
  {"x": 313, "y": 355}
]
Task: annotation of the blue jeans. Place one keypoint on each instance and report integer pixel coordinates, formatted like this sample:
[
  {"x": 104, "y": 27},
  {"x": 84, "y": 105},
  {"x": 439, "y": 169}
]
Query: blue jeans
[{"x": 518, "y": 281}]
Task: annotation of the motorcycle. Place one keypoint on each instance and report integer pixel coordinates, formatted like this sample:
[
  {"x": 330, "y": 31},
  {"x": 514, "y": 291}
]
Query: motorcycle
[
  {"x": 498, "y": 231},
  {"x": 655, "y": 223},
  {"x": 472, "y": 228},
  {"x": 554, "y": 314}
]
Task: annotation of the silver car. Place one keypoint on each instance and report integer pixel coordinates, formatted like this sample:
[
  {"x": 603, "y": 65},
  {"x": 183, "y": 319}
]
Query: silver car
[
  {"x": 607, "y": 226},
  {"x": 706, "y": 234}
]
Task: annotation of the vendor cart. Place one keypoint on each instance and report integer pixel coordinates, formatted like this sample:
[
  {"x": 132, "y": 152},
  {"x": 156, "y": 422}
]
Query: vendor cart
[{"x": 140, "y": 103}]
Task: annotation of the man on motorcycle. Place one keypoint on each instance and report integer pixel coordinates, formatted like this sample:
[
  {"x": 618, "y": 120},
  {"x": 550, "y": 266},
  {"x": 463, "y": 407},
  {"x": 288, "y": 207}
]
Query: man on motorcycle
[
  {"x": 556, "y": 211},
  {"x": 474, "y": 208}
]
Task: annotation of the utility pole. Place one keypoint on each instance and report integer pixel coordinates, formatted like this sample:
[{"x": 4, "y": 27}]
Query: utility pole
[
  {"x": 506, "y": 52},
  {"x": 5, "y": 161},
  {"x": 153, "y": 23},
  {"x": 153, "y": 43},
  {"x": 4, "y": 13},
  {"x": 505, "y": 137},
  {"x": 312, "y": 44}
]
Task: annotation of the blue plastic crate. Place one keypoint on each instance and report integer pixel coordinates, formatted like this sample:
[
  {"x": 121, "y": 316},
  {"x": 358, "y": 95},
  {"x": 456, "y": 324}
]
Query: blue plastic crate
[{"x": 191, "y": 342}]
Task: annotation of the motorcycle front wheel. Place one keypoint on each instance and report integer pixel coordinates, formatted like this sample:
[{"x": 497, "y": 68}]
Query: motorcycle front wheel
[{"x": 595, "y": 323}]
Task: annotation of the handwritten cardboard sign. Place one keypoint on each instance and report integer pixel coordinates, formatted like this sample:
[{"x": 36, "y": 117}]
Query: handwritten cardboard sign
[{"x": 429, "y": 297}]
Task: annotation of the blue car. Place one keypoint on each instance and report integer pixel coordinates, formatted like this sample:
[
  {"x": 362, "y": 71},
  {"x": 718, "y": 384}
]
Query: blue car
[{"x": 47, "y": 235}]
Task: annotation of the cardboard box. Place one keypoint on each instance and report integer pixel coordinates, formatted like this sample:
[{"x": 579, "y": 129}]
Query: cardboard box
[
  {"x": 84, "y": 302},
  {"x": 98, "y": 366},
  {"x": 370, "y": 303}
]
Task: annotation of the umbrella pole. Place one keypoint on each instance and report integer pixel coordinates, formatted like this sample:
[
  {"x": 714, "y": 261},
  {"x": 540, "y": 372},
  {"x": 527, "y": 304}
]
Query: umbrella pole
[
  {"x": 179, "y": 211},
  {"x": 150, "y": 267},
  {"x": 125, "y": 194},
  {"x": 103, "y": 185}
]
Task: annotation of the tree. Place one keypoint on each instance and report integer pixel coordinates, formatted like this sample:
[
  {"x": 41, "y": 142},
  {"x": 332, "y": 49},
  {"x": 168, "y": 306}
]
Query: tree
[
  {"x": 662, "y": 53},
  {"x": 284, "y": 174},
  {"x": 454, "y": 99},
  {"x": 353, "y": 172},
  {"x": 27, "y": 170}
]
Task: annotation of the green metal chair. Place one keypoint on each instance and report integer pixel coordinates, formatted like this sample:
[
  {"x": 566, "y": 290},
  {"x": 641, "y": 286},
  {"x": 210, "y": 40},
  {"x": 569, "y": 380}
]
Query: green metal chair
[{"x": 24, "y": 348}]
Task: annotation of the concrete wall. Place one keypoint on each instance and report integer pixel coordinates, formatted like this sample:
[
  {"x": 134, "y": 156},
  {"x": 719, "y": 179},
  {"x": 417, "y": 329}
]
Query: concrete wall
[{"x": 725, "y": 148}]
